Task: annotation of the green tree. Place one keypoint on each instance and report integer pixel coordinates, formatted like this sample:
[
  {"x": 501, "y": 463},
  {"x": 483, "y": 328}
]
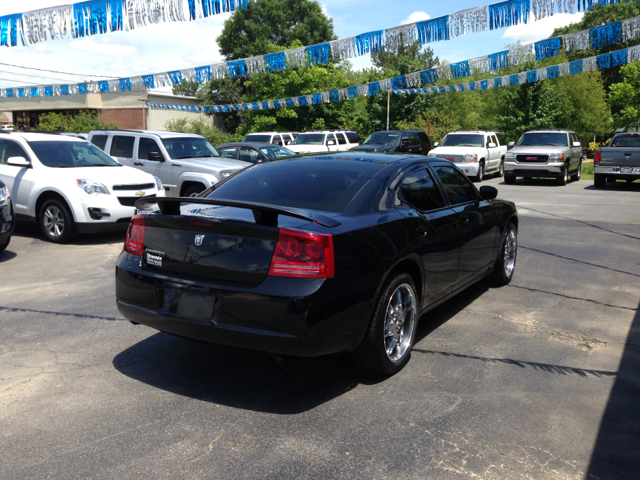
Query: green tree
[
  {"x": 83, "y": 122},
  {"x": 187, "y": 88},
  {"x": 211, "y": 133},
  {"x": 625, "y": 98},
  {"x": 404, "y": 59}
]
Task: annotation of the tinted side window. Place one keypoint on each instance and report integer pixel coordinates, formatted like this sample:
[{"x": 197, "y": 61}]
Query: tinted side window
[
  {"x": 341, "y": 139},
  {"x": 456, "y": 185},
  {"x": 122, "y": 146},
  {"x": 330, "y": 137},
  {"x": 419, "y": 190},
  {"x": 353, "y": 137},
  {"x": 228, "y": 152},
  {"x": 10, "y": 149},
  {"x": 494, "y": 140},
  {"x": 146, "y": 146},
  {"x": 248, "y": 154},
  {"x": 500, "y": 139},
  {"x": 414, "y": 139},
  {"x": 99, "y": 141},
  {"x": 424, "y": 140},
  {"x": 277, "y": 140}
]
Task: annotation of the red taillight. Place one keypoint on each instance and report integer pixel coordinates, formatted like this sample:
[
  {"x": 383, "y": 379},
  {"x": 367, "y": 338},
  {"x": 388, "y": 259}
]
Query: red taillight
[
  {"x": 303, "y": 255},
  {"x": 596, "y": 159},
  {"x": 135, "y": 236}
]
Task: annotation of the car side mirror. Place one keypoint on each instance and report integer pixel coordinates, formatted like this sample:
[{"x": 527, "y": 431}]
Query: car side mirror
[
  {"x": 19, "y": 162},
  {"x": 488, "y": 193},
  {"x": 331, "y": 142},
  {"x": 155, "y": 157},
  {"x": 511, "y": 144},
  {"x": 491, "y": 145},
  {"x": 437, "y": 144},
  {"x": 577, "y": 144}
]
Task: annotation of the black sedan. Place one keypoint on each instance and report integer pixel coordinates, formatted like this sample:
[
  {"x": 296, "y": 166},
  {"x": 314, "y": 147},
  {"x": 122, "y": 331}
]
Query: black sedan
[
  {"x": 253, "y": 152},
  {"x": 7, "y": 219},
  {"x": 314, "y": 255}
]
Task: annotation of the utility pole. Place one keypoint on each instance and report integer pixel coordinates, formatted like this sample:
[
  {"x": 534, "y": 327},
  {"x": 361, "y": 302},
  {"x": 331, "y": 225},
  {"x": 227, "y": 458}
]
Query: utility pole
[{"x": 388, "y": 104}]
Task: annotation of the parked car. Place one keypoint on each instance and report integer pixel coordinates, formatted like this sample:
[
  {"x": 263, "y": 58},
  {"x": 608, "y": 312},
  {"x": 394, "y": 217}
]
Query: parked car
[
  {"x": 252, "y": 152},
  {"x": 620, "y": 160},
  {"x": 554, "y": 153},
  {"x": 83, "y": 136},
  {"x": 186, "y": 163},
  {"x": 276, "y": 138},
  {"x": 316, "y": 254},
  {"x": 6, "y": 127},
  {"x": 397, "y": 141},
  {"x": 70, "y": 186},
  {"x": 475, "y": 152},
  {"x": 322, "y": 141},
  {"x": 7, "y": 219}
]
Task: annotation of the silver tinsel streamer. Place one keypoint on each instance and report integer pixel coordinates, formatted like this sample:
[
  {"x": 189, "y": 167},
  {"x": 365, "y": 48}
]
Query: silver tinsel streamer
[
  {"x": 270, "y": 103},
  {"x": 522, "y": 78},
  {"x": 162, "y": 80},
  {"x": 444, "y": 71},
  {"x": 576, "y": 41},
  {"x": 343, "y": 49},
  {"x": 141, "y": 13},
  {"x": 363, "y": 90},
  {"x": 309, "y": 99},
  {"x": 521, "y": 54},
  {"x": 479, "y": 65},
  {"x": 295, "y": 101},
  {"x": 542, "y": 74},
  {"x": 48, "y": 24},
  {"x": 219, "y": 71},
  {"x": 254, "y": 65},
  {"x": 399, "y": 36},
  {"x": 589, "y": 64},
  {"x": 542, "y": 8},
  {"x": 344, "y": 93},
  {"x": 468, "y": 21},
  {"x": 385, "y": 85},
  {"x": 413, "y": 79},
  {"x": 634, "y": 54},
  {"x": 505, "y": 81},
  {"x": 189, "y": 75},
  {"x": 137, "y": 83},
  {"x": 563, "y": 69},
  {"x": 114, "y": 86},
  {"x": 630, "y": 28},
  {"x": 325, "y": 97}
]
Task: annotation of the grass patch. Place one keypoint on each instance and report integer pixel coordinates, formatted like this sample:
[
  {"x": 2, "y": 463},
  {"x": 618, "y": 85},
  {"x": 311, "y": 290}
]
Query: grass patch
[{"x": 587, "y": 171}]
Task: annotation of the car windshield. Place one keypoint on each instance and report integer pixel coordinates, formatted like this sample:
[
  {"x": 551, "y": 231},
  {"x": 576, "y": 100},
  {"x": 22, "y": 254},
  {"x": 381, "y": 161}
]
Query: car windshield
[
  {"x": 189, "y": 147},
  {"x": 307, "y": 183},
  {"x": 543, "y": 138},
  {"x": 383, "y": 138},
  {"x": 309, "y": 139},
  {"x": 626, "y": 141},
  {"x": 275, "y": 152},
  {"x": 59, "y": 154},
  {"x": 463, "y": 140},
  {"x": 257, "y": 138}
]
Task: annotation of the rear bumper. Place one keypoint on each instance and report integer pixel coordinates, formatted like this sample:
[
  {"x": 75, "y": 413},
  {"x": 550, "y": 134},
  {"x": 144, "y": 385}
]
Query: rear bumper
[
  {"x": 552, "y": 169},
  {"x": 288, "y": 316},
  {"x": 617, "y": 170}
]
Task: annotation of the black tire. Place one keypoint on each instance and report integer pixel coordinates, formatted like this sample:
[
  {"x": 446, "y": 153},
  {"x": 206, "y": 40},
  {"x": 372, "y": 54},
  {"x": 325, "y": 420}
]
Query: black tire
[
  {"x": 504, "y": 267},
  {"x": 193, "y": 191},
  {"x": 599, "y": 180},
  {"x": 576, "y": 176},
  {"x": 55, "y": 221},
  {"x": 480, "y": 176},
  {"x": 372, "y": 354},
  {"x": 509, "y": 180},
  {"x": 564, "y": 178},
  {"x": 629, "y": 180},
  {"x": 501, "y": 168},
  {"x": 4, "y": 246}
]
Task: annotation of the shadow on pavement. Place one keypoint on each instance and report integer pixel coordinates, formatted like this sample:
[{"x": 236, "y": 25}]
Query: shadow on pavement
[
  {"x": 7, "y": 255},
  {"x": 616, "y": 454},
  {"x": 615, "y": 186},
  {"x": 27, "y": 229}
]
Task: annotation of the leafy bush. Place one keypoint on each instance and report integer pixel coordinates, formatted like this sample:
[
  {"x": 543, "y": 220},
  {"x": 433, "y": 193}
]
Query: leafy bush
[
  {"x": 84, "y": 122},
  {"x": 211, "y": 133}
]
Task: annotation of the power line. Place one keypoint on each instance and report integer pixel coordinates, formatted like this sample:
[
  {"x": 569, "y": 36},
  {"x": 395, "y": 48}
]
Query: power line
[
  {"x": 19, "y": 81},
  {"x": 56, "y": 71},
  {"x": 39, "y": 76}
]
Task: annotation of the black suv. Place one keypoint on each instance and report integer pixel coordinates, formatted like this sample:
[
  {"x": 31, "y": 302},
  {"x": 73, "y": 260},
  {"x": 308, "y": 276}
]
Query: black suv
[{"x": 397, "y": 141}]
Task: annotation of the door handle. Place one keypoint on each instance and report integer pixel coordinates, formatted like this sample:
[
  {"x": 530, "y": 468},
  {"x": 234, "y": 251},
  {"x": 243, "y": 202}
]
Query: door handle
[
  {"x": 421, "y": 231},
  {"x": 464, "y": 218},
  {"x": 140, "y": 164}
]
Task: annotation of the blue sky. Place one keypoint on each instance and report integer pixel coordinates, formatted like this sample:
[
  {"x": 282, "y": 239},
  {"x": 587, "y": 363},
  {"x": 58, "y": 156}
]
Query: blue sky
[{"x": 174, "y": 46}]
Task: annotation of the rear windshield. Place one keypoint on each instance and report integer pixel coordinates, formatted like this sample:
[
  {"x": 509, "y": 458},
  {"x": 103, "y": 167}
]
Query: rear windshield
[
  {"x": 464, "y": 140},
  {"x": 543, "y": 138},
  {"x": 327, "y": 185},
  {"x": 309, "y": 139},
  {"x": 275, "y": 152},
  {"x": 71, "y": 155},
  {"x": 626, "y": 141},
  {"x": 257, "y": 138},
  {"x": 382, "y": 138},
  {"x": 189, "y": 147}
]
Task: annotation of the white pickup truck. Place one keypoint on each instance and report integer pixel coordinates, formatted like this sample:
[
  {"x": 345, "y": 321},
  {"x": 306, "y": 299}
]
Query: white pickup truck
[{"x": 476, "y": 152}]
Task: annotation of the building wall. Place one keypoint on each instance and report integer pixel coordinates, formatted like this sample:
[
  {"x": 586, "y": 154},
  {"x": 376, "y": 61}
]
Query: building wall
[{"x": 124, "y": 118}]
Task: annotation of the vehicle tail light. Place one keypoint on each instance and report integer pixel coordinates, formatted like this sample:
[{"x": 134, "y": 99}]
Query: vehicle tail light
[
  {"x": 135, "y": 235},
  {"x": 596, "y": 159},
  {"x": 303, "y": 255}
]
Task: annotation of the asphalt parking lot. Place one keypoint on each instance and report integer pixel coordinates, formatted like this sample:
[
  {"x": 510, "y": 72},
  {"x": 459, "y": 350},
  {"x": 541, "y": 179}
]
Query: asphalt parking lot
[{"x": 539, "y": 379}]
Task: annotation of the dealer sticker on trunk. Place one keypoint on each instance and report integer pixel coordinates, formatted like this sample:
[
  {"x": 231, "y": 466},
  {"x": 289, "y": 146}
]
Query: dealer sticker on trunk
[{"x": 154, "y": 258}]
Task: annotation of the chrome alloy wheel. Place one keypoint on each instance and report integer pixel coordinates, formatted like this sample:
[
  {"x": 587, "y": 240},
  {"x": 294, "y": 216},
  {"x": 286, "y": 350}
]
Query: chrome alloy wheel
[
  {"x": 510, "y": 249},
  {"x": 399, "y": 322},
  {"x": 53, "y": 221}
]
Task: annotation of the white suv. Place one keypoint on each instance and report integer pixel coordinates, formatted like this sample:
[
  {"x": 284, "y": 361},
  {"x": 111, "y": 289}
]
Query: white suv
[
  {"x": 475, "y": 152},
  {"x": 69, "y": 186},
  {"x": 277, "y": 138},
  {"x": 322, "y": 141}
]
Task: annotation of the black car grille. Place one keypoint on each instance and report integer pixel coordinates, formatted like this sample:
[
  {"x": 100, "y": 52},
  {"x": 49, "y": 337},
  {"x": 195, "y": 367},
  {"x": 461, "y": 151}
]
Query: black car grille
[
  {"x": 141, "y": 186},
  {"x": 131, "y": 201},
  {"x": 532, "y": 158}
]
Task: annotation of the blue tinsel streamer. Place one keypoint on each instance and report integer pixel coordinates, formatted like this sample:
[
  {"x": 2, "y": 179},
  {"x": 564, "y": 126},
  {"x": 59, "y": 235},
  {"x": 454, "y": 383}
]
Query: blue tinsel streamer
[
  {"x": 461, "y": 85},
  {"x": 459, "y": 70},
  {"x": 317, "y": 54},
  {"x": 498, "y": 60},
  {"x": 203, "y": 74},
  {"x": 497, "y": 82},
  {"x": 484, "y": 84},
  {"x": 511, "y": 12},
  {"x": 398, "y": 82},
  {"x": 334, "y": 95},
  {"x": 176, "y": 77},
  {"x": 290, "y": 102},
  {"x": 513, "y": 80},
  {"x": 374, "y": 88},
  {"x": 255, "y": 105},
  {"x": 9, "y": 92},
  {"x": 90, "y": 18},
  {"x": 149, "y": 81},
  {"x": 575, "y": 67},
  {"x": 236, "y": 68},
  {"x": 210, "y": 7},
  {"x": 352, "y": 92},
  {"x": 192, "y": 9},
  {"x": 442, "y": 90},
  {"x": 125, "y": 84},
  {"x": 434, "y": 30},
  {"x": 584, "y": 5},
  {"x": 103, "y": 85},
  {"x": 48, "y": 91},
  {"x": 619, "y": 58},
  {"x": 302, "y": 100},
  {"x": 553, "y": 72},
  {"x": 265, "y": 105},
  {"x": 9, "y": 29},
  {"x": 548, "y": 48},
  {"x": 82, "y": 88},
  {"x": 275, "y": 62},
  {"x": 532, "y": 76},
  {"x": 317, "y": 98},
  {"x": 34, "y": 91},
  {"x": 369, "y": 42},
  {"x": 472, "y": 86},
  {"x": 452, "y": 88},
  {"x": 428, "y": 77},
  {"x": 606, "y": 35},
  {"x": 276, "y": 104},
  {"x": 603, "y": 61},
  {"x": 21, "y": 93}
]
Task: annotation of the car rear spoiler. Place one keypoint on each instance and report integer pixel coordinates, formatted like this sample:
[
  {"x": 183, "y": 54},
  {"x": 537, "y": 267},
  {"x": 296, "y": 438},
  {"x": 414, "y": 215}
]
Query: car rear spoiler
[{"x": 263, "y": 213}]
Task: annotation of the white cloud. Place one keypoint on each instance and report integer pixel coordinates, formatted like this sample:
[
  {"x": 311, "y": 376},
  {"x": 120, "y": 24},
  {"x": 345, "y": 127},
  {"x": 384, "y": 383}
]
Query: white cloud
[
  {"x": 535, "y": 31},
  {"x": 417, "y": 16},
  {"x": 103, "y": 46}
]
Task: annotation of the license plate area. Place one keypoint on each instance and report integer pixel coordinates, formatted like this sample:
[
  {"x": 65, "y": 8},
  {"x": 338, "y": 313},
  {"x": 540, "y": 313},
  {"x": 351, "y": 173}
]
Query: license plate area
[{"x": 189, "y": 303}]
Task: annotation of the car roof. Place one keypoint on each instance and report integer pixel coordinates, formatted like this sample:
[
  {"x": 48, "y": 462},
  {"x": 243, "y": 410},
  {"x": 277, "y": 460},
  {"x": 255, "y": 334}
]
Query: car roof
[
  {"x": 249, "y": 144},
  {"x": 472, "y": 131},
  {"x": 159, "y": 133},
  {"x": 551, "y": 130},
  {"x": 380, "y": 158},
  {"x": 43, "y": 137}
]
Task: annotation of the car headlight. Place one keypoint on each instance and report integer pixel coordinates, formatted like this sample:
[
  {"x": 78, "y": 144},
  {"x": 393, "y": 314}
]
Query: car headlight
[
  {"x": 158, "y": 183},
  {"x": 556, "y": 156},
  {"x": 91, "y": 187},
  {"x": 4, "y": 196},
  {"x": 225, "y": 173},
  {"x": 470, "y": 157},
  {"x": 510, "y": 156}
]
